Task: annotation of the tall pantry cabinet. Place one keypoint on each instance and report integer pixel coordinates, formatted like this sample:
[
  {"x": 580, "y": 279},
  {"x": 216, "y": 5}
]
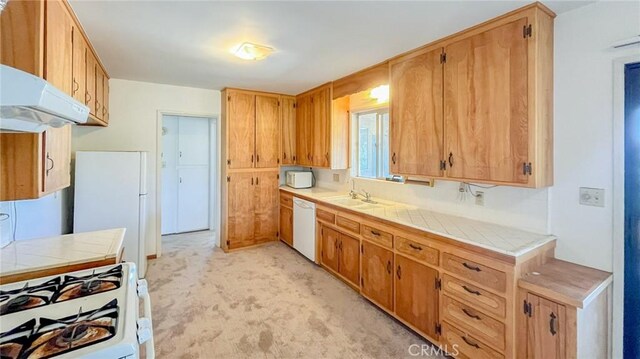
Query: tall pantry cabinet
[
  {"x": 251, "y": 154},
  {"x": 45, "y": 38}
]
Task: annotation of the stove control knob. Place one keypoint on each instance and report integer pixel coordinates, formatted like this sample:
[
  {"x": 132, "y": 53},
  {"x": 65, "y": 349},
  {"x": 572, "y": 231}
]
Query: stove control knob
[
  {"x": 144, "y": 330},
  {"x": 143, "y": 288}
]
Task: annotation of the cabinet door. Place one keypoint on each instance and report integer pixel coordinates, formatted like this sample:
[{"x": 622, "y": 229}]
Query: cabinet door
[
  {"x": 99, "y": 92},
  {"x": 416, "y": 295},
  {"x": 377, "y": 274},
  {"x": 193, "y": 141},
  {"x": 266, "y": 206},
  {"x": 286, "y": 225},
  {"x": 304, "y": 131},
  {"x": 105, "y": 98},
  {"x": 79, "y": 66},
  {"x": 321, "y": 127},
  {"x": 485, "y": 105},
  {"x": 416, "y": 115},
  {"x": 267, "y": 122},
  {"x": 59, "y": 46},
  {"x": 240, "y": 204},
  {"x": 169, "y": 174},
  {"x": 350, "y": 258},
  {"x": 288, "y": 130},
  {"x": 330, "y": 252},
  {"x": 240, "y": 130},
  {"x": 57, "y": 164},
  {"x": 90, "y": 96},
  {"x": 546, "y": 338},
  {"x": 193, "y": 198}
]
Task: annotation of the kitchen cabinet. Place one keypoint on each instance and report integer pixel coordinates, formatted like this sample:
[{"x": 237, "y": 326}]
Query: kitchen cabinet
[
  {"x": 286, "y": 225},
  {"x": 377, "y": 275},
  {"x": 416, "y": 295},
  {"x": 79, "y": 79},
  {"x": 322, "y": 131},
  {"x": 58, "y": 46},
  {"x": 341, "y": 253},
  {"x": 416, "y": 114},
  {"x": 251, "y": 208},
  {"x": 288, "y": 130},
  {"x": 267, "y": 131}
]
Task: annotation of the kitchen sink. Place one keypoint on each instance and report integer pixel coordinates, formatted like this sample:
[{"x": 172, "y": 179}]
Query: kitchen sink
[{"x": 355, "y": 203}]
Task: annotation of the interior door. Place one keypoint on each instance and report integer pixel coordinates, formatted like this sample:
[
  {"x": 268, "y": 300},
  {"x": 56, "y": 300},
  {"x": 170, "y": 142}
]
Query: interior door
[
  {"x": 416, "y": 295},
  {"x": 193, "y": 198},
  {"x": 545, "y": 329},
  {"x": 240, "y": 206},
  {"x": 286, "y": 225},
  {"x": 321, "y": 127},
  {"x": 79, "y": 88},
  {"x": 485, "y": 105},
  {"x": 416, "y": 115},
  {"x": 169, "y": 174},
  {"x": 267, "y": 131},
  {"x": 58, "y": 58},
  {"x": 330, "y": 241},
  {"x": 57, "y": 158},
  {"x": 266, "y": 206},
  {"x": 288, "y": 130},
  {"x": 193, "y": 141},
  {"x": 377, "y": 274},
  {"x": 241, "y": 130},
  {"x": 350, "y": 258}
]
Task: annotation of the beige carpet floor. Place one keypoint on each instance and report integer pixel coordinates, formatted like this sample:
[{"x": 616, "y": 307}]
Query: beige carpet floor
[{"x": 265, "y": 302}]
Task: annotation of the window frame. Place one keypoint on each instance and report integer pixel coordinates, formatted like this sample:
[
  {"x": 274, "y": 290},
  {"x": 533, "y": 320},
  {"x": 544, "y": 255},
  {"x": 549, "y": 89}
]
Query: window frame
[{"x": 355, "y": 142}]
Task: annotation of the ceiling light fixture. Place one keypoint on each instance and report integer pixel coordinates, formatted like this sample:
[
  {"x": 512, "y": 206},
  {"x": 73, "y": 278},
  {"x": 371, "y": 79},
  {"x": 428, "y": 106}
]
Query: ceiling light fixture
[
  {"x": 251, "y": 51},
  {"x": 380, "y": 93}
]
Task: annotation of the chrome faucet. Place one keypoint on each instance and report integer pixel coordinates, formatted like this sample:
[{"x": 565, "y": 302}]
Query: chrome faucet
[
  {"x": 367, "y": 196},
  {"x": 353, "y": 194}
]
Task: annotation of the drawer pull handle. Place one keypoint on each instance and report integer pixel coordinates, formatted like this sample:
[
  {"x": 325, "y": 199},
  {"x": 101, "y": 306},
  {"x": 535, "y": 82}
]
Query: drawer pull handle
[
  {"x": 475, "y": 345},
  {"x": 417, "y": 248},
  {"x": 399, "y": 272},
  {"x": 375, "y": 233},
  {"x": 389, "y": 267},
  {"x": 471, "y": 315},
  {"x": 470, "y": 290},
  {"x": 553, "y": 326},
  {"x": 468, "y": 266}
]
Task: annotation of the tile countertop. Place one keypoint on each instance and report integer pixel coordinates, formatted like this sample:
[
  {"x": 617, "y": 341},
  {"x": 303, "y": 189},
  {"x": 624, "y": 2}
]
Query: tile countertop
[
  {"x": 30, "y": 255},
  {"x": 506, "y": 240}
]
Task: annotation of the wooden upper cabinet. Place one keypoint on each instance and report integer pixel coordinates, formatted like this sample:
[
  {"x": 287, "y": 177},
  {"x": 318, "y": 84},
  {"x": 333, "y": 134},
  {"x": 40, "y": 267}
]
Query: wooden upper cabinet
[
  {"x": 288, "y": 130},
  {"x": 304, "y": 130},
  {"x": 90, "y": 95},
  {"x": 240, "y": 206},
  {"x": 59, "y": 46},
  {"x": 486, "y": 103},
  {"x": 416, "y": 295},
  {"x": 99, "y": 98},
  {"x": 377, "y": 274},
  {"x": 330, "y": 239},
  {"x": 321, "y": 104},
  {"x": 267, "y": 131},
  {"x": 416, "y": 114},
  {"x": 266, "y": 206},
  {"x": 105, "y": 98},
  {"x": 240, "y": 129},
  {"x": 79, "y": 80},
  {"x": 57, "y": 159},
  {"x": 22, "y": 36}
]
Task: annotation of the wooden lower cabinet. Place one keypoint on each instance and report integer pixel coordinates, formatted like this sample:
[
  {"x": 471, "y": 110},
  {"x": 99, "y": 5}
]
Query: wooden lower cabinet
[
  {"x": 377, "y": 275},
  {"x": 416, "y": 294},
  {"x": 329, "y": 255},
  {"x": 546, "y": 329},
  {"x": 461, "y": 345},
  {"x": 286, "y": 225},
  {"x": 341, "y": 253}
]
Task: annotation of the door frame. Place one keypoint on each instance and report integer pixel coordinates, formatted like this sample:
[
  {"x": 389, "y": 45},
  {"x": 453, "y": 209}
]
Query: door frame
[
  {"x": 214, "y": 173},
  {"x": 618, "y": 201}
]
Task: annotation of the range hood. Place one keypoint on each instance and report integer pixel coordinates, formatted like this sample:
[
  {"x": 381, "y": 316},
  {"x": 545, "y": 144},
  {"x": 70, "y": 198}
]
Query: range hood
[{"x": 31, "y": 104}]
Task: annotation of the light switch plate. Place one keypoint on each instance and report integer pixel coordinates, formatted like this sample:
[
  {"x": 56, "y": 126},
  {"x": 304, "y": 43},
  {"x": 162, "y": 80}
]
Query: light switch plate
[{"x": 592, "y": 196}]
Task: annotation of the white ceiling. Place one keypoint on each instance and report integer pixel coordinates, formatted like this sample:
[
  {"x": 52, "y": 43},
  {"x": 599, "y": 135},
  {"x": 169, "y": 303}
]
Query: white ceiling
[{"x": 186, "y": 42}]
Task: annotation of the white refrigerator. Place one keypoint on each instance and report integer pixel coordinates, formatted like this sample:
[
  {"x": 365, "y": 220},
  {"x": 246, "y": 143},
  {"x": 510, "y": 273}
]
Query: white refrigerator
[{"x": 110, "y": 192}]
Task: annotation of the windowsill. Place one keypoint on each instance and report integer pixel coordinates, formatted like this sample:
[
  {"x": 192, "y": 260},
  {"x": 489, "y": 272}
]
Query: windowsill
[{"x": 376, "y": 180}]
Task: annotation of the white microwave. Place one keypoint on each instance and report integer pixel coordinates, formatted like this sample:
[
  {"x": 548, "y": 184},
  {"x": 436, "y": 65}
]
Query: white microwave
[{"x": 299, "y": 179}]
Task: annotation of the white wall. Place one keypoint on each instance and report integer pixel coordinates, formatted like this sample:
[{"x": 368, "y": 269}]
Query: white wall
[{"x": 134, "y": 108}]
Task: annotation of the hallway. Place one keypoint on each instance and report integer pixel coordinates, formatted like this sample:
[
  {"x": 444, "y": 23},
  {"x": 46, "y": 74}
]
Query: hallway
[{"x": 265, "y": 302}]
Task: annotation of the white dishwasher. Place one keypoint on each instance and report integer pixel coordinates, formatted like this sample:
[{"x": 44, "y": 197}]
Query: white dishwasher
[{"x": 304, "y": 227}]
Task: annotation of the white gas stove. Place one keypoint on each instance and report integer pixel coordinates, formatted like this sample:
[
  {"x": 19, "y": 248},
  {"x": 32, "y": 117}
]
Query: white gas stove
[{"x": 85, "y": 314}]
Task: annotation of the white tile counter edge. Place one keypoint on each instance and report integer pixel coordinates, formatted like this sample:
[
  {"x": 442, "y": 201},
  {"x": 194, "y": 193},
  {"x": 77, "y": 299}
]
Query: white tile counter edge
[
  {"x": 528, "y": 240},
  {"x": 59, "y": 251}
]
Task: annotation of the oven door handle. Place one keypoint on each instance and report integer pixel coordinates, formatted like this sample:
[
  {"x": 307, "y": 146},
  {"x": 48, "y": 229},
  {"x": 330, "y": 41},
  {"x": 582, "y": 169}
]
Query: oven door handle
[{"x": 145, "y": 325}]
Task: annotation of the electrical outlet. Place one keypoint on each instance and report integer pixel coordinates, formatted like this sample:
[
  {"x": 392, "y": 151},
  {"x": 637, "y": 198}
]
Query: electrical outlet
[
  {"x": 336, "y": 177},
  {"x": 592, "y": 196},
  {"x": 479, "y": 198}
]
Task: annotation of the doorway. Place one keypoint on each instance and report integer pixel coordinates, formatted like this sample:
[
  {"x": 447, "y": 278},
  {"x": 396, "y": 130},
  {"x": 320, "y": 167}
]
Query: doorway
[
  {"x": 186, "y": 163},
  {"x": 631, "y": 324}
]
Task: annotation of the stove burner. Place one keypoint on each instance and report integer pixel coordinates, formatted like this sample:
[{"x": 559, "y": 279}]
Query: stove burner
[
  {"x": 71, "y": 334},
  {"x": 17, "y": 302},
  {"x": 90, "y": 286},
  {"x": 27, "y": 297}
]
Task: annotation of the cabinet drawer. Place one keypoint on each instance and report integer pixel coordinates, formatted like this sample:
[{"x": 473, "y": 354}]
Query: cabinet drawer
[
  {"x": 481, "y": 299},
  {"x": 286, "y": 200},
  {"x": 348, "y": 224},
  {"x": 418, "y": 251},
  {"x": 474, "y": 322},
  {"x": 377, "y": 236},
  {"x": 481, "y": 274},
  {"x": 467, "y": 346},
  {"x": 325, "y": 216}
]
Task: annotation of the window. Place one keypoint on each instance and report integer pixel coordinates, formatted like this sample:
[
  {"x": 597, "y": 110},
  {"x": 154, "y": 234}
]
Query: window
[{"x": 372, "y": 144}]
